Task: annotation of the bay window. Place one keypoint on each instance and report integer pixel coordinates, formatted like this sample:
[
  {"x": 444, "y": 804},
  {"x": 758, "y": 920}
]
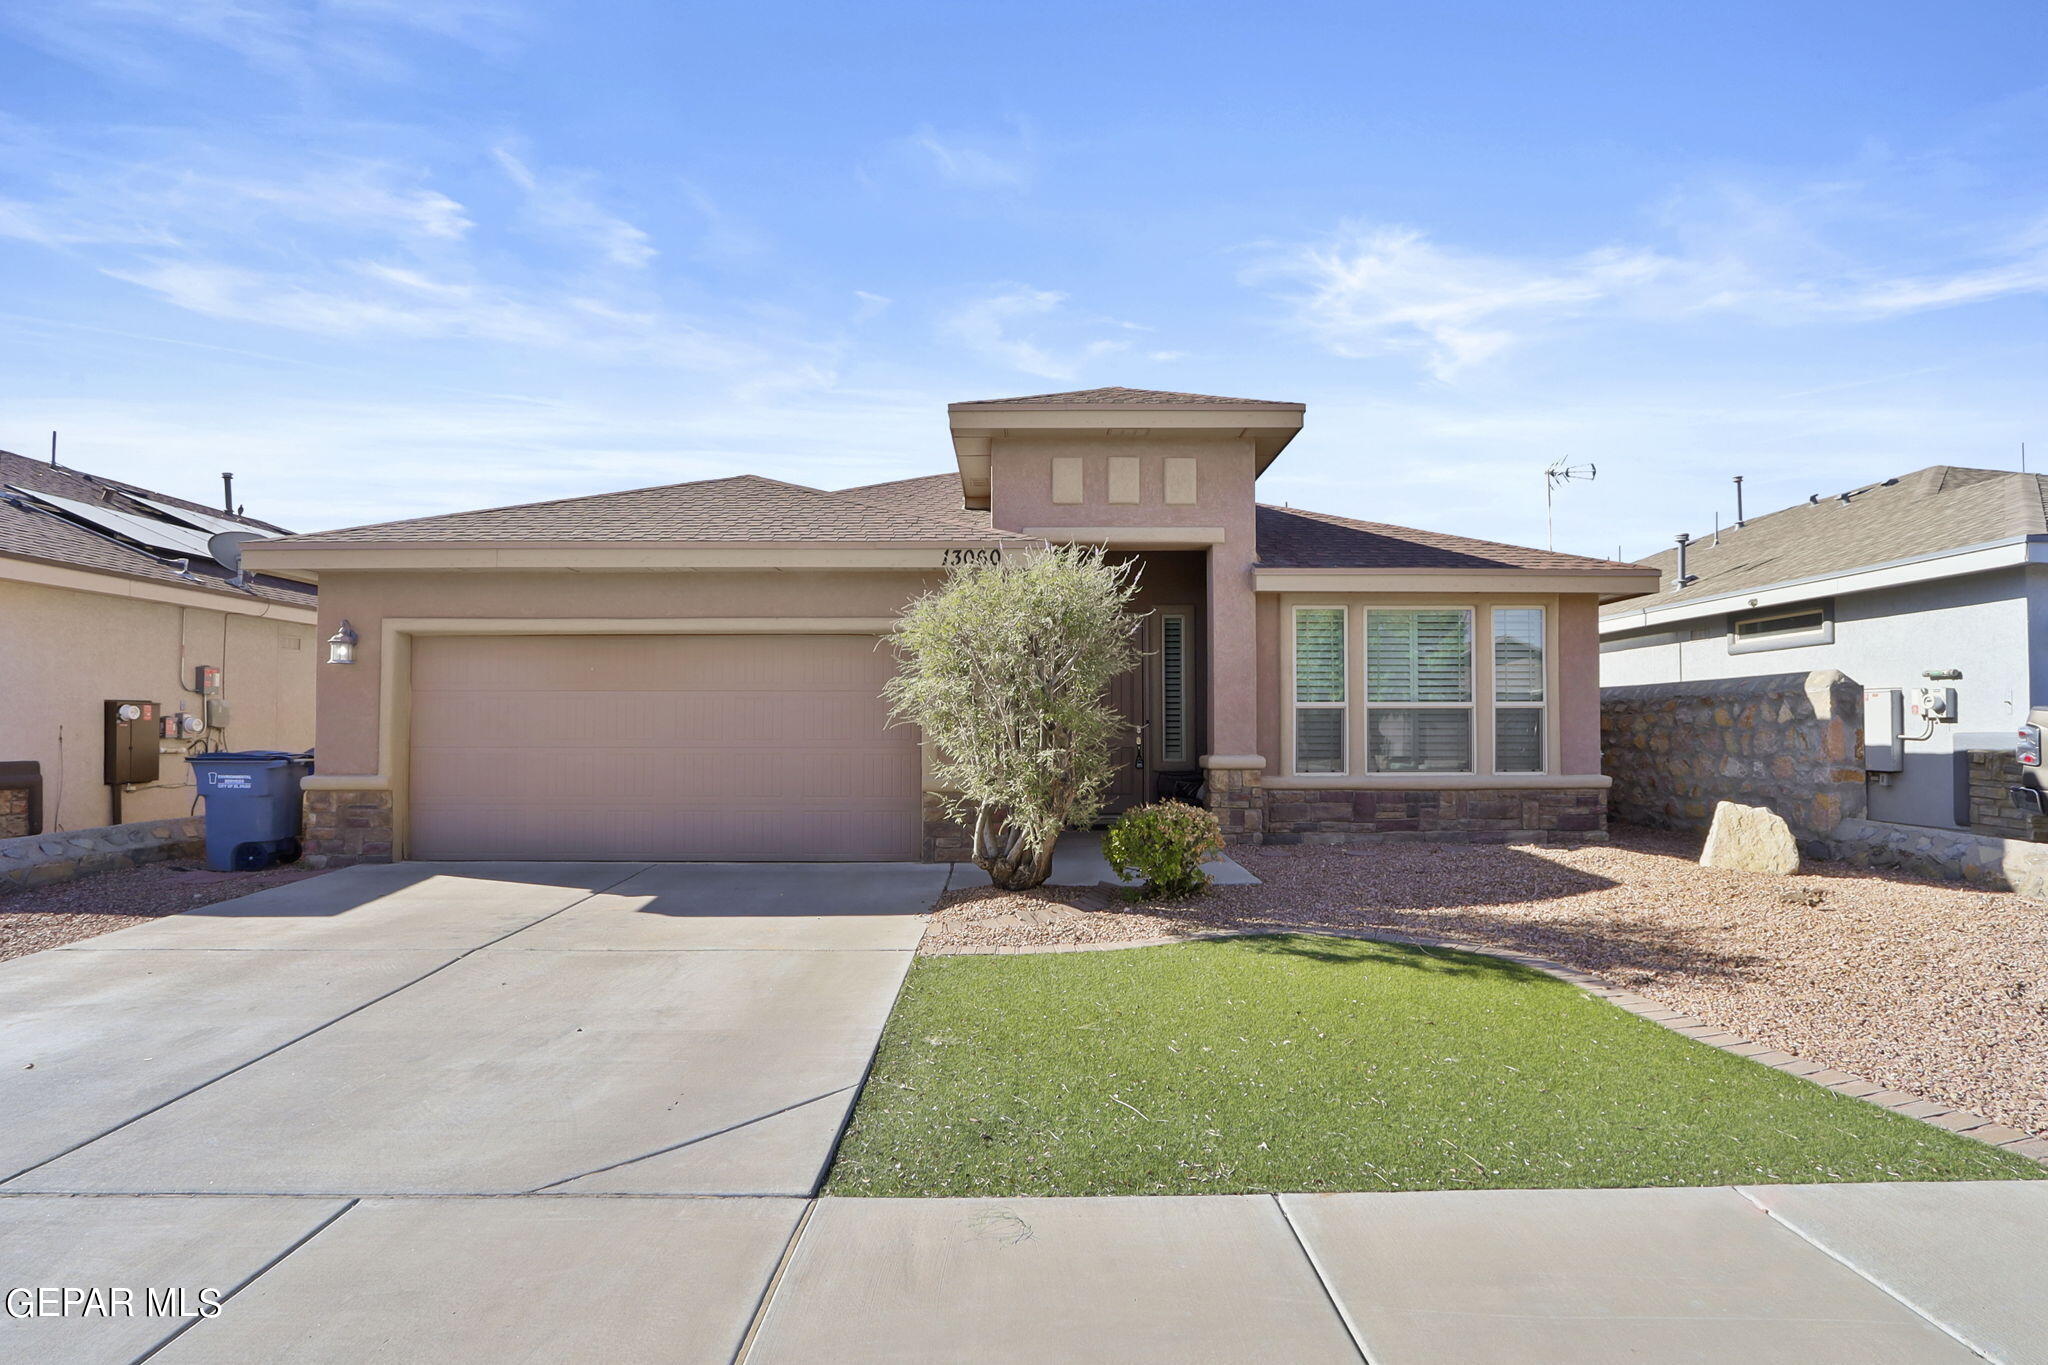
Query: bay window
[{"x": 1445, "y": 689}]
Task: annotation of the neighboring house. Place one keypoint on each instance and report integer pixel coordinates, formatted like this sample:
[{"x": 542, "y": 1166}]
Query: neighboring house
[
  {"x": 1934, "y": 580},
  {"x": 693, "y": 671},
  {"x": 110, "y": 593}
]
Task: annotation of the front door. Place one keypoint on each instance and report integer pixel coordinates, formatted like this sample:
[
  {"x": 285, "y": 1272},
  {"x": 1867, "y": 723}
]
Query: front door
[{"x": 1127, "y": 694}]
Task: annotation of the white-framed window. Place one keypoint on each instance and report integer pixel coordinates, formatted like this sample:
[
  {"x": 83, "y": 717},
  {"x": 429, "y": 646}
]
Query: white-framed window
[
  {"x": 1811, "y": 623},
  {"x": 1173, "y": 687},
  {"x": 1418, "y": 690},
  {"x": 1521, "y": 672},
  {"x": 1321, "y": 690},
  {"x": 1439, "y": 689}
]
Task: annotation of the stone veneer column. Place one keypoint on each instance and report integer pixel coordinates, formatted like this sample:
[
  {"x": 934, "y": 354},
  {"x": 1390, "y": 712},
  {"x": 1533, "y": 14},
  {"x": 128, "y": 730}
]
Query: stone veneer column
[
  {"x": 946, "y": 840},
  {"x": 1237, "y": 798},
  {"x": 344, "y": 826}
]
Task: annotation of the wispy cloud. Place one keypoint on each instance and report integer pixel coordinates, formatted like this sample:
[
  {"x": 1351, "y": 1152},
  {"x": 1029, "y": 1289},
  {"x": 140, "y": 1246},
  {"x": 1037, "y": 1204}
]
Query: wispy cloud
[
  {"x": 115, "y": 201},
  {"x": 348, "y": 247},
  {"x": 296, "y": 39},
  {"x": 1371, "y": 289},
  {"x": 1009, "y": 326},
  {"x": 564, "y": 203}
]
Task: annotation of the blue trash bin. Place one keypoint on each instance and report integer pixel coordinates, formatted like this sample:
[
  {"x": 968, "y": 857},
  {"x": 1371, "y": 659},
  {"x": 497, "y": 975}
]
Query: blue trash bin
[{"x": 252, "y": 807}]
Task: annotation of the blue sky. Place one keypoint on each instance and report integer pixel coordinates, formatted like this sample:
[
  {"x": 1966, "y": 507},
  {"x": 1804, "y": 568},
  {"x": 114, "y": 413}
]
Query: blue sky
[{"x": 392, "y": 257}]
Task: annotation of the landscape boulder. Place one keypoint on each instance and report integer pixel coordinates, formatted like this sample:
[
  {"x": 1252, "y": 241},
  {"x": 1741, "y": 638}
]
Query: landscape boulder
[{"x": 1750, "y": 839}]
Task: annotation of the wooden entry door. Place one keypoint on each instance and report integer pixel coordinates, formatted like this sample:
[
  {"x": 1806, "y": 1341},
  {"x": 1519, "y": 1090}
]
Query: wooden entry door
[{"x": 1131, "y": 786}]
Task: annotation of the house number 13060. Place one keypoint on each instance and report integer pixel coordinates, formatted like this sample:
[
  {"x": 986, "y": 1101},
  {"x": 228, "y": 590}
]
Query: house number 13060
[{"x": 956, "y": 558}]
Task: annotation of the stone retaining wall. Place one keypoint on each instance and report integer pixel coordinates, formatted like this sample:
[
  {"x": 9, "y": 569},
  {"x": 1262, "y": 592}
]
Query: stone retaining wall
[
  {"x": 346, "y": 827},
  {"x": 1454, "y": 815},
  {"x": 1951, "y": 855},
  {"x": 1790, "y": 742},
  {"x": 43, "y": 858}
]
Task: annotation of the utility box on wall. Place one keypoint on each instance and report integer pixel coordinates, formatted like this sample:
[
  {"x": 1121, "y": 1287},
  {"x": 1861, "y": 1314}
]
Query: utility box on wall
[
  {"x": 131, "y": 736},
  {"x": 1884, "y": 718}
]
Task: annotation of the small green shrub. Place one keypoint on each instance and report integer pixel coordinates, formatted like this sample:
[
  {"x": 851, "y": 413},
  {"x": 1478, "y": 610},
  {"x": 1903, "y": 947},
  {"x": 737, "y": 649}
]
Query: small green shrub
[{"x": 1165, "y": 844}]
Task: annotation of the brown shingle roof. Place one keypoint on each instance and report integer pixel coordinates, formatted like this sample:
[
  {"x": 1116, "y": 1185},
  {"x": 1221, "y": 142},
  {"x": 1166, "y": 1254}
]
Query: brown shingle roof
[
  {"x": 1927, "y": 512},
  {"x": 743, "y": 508},
  {"x": 1123, "y": 398},
  {"x": 32, "y": 534},
  {"x": 1291, "y": 538},
  {"x": 933, "y": 495}
]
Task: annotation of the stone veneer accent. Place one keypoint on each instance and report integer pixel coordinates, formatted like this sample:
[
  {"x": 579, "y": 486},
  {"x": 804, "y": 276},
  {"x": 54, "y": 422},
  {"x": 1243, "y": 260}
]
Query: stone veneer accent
[
  {"x": 1790, "y": 742},
  {"x": 1239, "y": 804},
  {"x": 1478, "y": 815},
  {"x": 13, "y": 813},
  {"x": 946, "y": 840},
  {"x": 42, "y": 858},
  {"x": 1993, "y": 773},
  {"x": 346, "y": 827}
]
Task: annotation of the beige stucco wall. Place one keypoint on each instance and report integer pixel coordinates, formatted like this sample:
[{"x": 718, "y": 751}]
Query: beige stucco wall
[
  {"x": 63, "y": 652},
  {"x": 348, "y": 729},
  {"x": 1020, "y": 498}
]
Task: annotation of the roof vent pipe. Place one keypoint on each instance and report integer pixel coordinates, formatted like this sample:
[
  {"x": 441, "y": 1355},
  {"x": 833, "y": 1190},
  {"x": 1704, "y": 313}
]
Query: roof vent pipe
[
  {"x": 1685, "y": 579},
  {"x": 227, "y": 493},
  {"x": 1738, "y": 502}
]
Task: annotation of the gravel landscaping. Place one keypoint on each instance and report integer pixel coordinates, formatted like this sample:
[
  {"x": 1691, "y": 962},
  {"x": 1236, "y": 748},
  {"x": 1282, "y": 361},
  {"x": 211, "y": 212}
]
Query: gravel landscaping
[
  {"x": 1923, "y": 986},
  {"x": 64, "y": 912}
]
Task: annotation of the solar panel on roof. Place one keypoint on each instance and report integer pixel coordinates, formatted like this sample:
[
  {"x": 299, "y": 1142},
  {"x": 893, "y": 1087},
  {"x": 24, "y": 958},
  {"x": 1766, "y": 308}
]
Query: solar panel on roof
[
  {"x": 205, "y": 520},
  {"x": 161, "y": 535}
]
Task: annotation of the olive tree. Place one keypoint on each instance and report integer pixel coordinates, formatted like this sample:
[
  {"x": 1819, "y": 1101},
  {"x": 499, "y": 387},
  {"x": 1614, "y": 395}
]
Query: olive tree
[{"x": 1006, "y": 668}]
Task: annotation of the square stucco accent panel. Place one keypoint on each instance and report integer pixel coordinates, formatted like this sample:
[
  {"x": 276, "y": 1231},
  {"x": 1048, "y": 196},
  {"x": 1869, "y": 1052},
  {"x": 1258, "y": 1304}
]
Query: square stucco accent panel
[
  {"x": 1123, "y": 479},
  {"x": 1066, "y": 480},
  {"x": 1180, "y": 481}
]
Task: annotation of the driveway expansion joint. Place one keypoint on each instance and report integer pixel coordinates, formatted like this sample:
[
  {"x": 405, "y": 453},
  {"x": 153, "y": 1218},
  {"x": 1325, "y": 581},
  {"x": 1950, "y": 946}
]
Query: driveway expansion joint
[
  {"x": 1862, "y": 1274},
  {"x": 260, "y": 1271}
]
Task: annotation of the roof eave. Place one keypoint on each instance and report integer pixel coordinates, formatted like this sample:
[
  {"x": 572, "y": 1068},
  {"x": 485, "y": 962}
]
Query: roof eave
[
  {"x": 310, "y": 557},
  {"x": 1610, "y": 585},
  {"x": 1707, "y": 601}
]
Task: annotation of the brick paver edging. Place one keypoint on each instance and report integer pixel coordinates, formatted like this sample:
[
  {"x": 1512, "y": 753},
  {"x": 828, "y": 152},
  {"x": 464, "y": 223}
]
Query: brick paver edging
[{"x": 1699, "y": 1030}]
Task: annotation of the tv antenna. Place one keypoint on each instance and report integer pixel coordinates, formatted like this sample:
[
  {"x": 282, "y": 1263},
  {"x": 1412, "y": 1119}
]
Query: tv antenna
[{"x": 1560, "y": 473}]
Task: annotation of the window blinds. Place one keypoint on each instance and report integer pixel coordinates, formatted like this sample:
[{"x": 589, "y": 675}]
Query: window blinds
[
  {"x": 1418, "y": 656},
  {"x": 1518, "y": 654},
  {"x": 1319, "y": 654},
  {"x": 1173, "y": 687}
]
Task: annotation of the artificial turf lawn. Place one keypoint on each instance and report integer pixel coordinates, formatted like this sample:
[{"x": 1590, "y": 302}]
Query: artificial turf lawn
[{"x": 1294, "y": 1062}]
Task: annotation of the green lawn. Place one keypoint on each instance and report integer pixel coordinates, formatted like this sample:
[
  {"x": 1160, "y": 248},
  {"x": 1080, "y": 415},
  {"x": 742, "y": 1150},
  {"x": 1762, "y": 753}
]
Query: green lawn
[{"x": 1294, "y": 1062}]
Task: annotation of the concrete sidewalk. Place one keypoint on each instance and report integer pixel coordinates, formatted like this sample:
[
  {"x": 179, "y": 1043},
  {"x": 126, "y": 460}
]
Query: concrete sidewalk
[{"x": 1788, "y": 1275}]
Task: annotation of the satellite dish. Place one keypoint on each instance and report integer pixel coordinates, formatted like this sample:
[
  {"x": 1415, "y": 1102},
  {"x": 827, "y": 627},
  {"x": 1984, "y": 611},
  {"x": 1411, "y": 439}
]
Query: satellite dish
[{"x": 226, "y": 548}]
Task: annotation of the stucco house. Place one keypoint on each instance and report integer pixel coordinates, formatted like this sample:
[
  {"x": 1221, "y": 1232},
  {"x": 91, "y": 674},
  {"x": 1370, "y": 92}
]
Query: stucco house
[
  {"x": 111, "y": 595},
  {"x": 691, "y": 671},
  {"x": 1930, "y": 590}
]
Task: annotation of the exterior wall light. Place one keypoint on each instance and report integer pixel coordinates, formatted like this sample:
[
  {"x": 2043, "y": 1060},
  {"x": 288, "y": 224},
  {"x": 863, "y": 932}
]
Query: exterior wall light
[{"x": 341, "y": 646}]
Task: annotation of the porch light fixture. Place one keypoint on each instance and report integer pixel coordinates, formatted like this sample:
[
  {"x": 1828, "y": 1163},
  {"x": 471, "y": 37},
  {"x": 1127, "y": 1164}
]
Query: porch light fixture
[{"x": 341, "y": 646}]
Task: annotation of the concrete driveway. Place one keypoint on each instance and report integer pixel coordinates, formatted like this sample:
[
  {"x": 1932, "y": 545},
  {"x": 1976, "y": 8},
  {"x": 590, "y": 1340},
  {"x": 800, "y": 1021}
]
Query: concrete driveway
[{"x": 579, "y": 1113}]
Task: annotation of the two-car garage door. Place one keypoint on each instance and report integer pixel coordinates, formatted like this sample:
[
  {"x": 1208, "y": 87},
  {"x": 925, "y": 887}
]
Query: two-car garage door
[{"x": 723, "y": 747}]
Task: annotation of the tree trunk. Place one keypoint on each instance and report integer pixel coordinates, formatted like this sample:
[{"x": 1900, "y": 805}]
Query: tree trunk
[{"x": 1010, "y": 862}]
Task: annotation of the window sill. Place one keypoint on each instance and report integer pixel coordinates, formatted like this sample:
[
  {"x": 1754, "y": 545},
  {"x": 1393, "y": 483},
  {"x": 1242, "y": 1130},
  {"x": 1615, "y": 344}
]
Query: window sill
[{"x": 1414, "y": 781}]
